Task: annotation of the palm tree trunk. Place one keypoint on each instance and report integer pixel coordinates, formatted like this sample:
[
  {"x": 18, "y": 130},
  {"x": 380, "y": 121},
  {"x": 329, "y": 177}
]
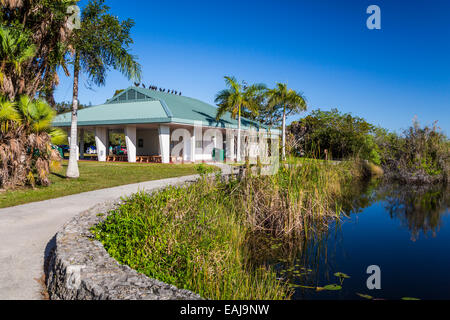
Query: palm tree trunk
[
  {"x": 238, "y": 153},
  {"x": 284, "y": 134},
  {"x": 72, "y": 170}
]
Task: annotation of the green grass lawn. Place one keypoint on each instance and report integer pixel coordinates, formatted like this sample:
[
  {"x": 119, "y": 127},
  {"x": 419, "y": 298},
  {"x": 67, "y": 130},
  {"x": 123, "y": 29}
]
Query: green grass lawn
[{"x": 94, "y": 176}]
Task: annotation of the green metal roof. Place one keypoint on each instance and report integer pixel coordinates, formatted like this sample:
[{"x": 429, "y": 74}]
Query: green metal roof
[{"x": 140, "y": 106}]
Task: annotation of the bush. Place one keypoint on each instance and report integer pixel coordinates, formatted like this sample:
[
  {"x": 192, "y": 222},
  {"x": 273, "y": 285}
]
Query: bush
[
  {"x": 26, "y": 137},
  {"x": 419, "y": 155},
  {"x": 340, "y": 136}
]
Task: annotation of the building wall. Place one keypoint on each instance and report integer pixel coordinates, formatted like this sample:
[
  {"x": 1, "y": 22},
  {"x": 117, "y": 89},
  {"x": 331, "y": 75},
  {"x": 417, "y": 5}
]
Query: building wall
[
  {"x": 150, "y": 140},
  {"x": 204, "y": 148}
]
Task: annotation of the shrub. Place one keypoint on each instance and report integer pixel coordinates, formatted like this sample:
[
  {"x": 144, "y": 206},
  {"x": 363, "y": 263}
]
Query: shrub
[
  {"x": 419, "y": 155},
  {"x": 26, "y": 136},
  {"x": 341, "y": 136}
]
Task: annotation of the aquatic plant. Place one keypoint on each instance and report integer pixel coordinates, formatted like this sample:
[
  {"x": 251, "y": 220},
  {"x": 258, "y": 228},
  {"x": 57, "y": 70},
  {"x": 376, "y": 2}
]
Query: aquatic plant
[{"x": 203, "y": 236}]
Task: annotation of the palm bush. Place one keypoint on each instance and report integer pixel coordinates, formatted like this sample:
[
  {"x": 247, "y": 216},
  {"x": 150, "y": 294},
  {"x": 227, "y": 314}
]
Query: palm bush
[{"x": 26, "y": 137}]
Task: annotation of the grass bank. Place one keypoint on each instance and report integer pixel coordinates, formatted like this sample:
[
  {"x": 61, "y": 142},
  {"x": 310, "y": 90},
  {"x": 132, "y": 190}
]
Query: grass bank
[
  {"x": 201, "y": 237},
  {"x": 94, "y": 176}
]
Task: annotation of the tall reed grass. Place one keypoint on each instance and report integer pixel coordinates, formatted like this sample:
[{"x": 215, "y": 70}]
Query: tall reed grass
[{"x": 197, "y": 237}]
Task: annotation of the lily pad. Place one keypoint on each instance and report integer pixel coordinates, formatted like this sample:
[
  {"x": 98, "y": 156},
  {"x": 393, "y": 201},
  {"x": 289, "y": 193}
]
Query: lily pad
[
  {"x": 341, "y": 275},
  {"x": 304, "y": 287},
  {"x": 410, "y": 299},
  {"x": 332, "y": 287},
  {"x": 365, "y": 296}
]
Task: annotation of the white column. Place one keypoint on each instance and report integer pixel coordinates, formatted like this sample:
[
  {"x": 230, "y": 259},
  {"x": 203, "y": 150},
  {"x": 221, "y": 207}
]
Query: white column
[
  {"x": 164, "y": 143},
  {"x": 81, "y": 147},
  {"x": 193, "y": 142},
  {"x": 130, "y": 139},
  {"x": 231, "y": 155},
  {"x": 101, "y": 141}
]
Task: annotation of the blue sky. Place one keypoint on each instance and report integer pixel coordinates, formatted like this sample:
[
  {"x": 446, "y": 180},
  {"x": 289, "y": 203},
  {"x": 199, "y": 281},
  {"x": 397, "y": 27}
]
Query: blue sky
[{"x": 321, "y": 48}]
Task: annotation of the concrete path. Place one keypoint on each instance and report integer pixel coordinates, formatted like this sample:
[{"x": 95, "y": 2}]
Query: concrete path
[{"x": 26, "y": 232}]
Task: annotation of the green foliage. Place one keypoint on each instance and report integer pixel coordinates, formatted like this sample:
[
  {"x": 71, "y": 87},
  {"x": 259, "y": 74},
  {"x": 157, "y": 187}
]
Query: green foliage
[
  {"x": 33, "y": 46},
  {"x": 341, "y": 275},
  {"x": 15, "y": 49},
  {"x": 332, "y": 287},
  {"x": 205, "y": 237},
  {"x": 64, "y": 107},
  {"x": 238, "y": 98},
  {"x": 343, "y": 136},
  {"x": 285, "y": 101},
  {"x": 25, "y": 142},
  {"x": 104, "y": 42},
  {"x": 189, "y": 237},
  {"x": 418, "y": 155},
  {"x": 203, "y": 169}
]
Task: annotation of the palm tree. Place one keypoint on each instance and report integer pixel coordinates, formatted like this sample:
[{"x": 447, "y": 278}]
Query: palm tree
[
  {"x": 236, "y": 98},
  {"x": 33, "y": 46},
  {"x": 289, "y": 101},
  {"x": 101, "y": 42},
  {"x": 26, "y": 139},
  {"x": 15, "y": 50}
]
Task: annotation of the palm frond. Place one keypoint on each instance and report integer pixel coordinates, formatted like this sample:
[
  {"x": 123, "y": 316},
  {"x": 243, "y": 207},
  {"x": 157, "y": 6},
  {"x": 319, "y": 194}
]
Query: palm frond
[
  {"x": 8, "y": 111},
  {"x": 58, "y": 136}
]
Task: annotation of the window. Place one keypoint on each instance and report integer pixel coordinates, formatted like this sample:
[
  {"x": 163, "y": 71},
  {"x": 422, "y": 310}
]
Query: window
[
  {"x": 140, "y": 143},
  {"x": 199, "y": 144},
  {"x": 131, "y": 95}
]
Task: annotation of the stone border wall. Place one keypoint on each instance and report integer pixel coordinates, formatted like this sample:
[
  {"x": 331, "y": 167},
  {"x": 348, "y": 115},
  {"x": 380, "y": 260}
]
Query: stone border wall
[{"x": 79, "y": 267}]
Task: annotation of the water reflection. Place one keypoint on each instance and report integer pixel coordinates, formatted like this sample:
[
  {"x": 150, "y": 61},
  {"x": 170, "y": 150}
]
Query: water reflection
[
  {"x": 349, "y": 245},
  {"x": 418, "y": 208}
]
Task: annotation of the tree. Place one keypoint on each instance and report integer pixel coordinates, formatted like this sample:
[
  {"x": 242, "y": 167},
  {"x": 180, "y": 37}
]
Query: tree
[
  {"x": 341, "y": 134},
  {"x": 66, "y": 106},
  {"x": 15, "y": 49},
  {"x": 235, "y": 99},
  {"x": 101, "y": 43},
  {"x": 33, "y": 45},
  {"x": 26, "y": 135},
  {"x": 287, "y": 100}
]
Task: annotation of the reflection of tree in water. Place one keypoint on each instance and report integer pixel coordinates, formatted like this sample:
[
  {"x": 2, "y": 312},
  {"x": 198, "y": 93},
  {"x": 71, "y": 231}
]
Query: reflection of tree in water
[
  {"x": 358, "y": 196},
  {"x": 420, "y": 209}
]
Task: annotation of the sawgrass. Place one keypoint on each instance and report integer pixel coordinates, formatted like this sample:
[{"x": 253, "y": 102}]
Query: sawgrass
[{"x": 197, "y": 237}]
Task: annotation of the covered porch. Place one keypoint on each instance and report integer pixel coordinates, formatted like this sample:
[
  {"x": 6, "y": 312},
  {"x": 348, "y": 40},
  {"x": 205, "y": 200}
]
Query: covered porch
[{"x": 156, "y": 143}]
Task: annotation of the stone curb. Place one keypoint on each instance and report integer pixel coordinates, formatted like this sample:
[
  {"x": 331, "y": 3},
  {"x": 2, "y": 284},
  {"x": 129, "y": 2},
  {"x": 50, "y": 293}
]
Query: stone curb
[{"x": 79, "y": 267}]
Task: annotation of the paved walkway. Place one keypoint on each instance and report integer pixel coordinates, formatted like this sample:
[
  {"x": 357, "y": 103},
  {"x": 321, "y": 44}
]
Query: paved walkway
[{"x": 26, "y": 232}]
